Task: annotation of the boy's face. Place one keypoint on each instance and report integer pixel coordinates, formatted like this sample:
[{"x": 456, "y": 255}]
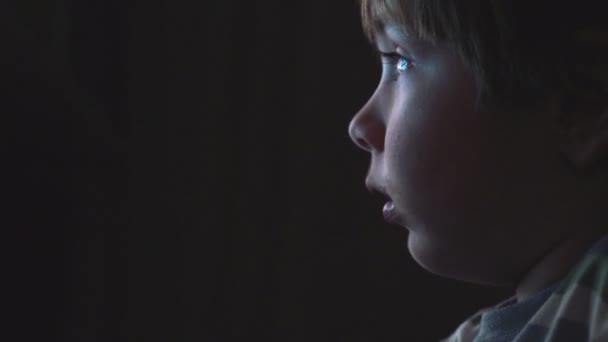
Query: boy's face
[{"x": 469, "y": 184}]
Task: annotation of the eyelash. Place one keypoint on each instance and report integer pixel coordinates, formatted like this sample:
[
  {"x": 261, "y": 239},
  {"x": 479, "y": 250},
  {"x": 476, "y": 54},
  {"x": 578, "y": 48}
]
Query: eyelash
[{"x": 402, "y": 63}]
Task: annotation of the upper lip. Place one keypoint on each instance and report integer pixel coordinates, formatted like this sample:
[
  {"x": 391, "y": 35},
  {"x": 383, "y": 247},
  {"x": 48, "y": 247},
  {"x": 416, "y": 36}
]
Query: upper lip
[{"x": 376, "y": 189}]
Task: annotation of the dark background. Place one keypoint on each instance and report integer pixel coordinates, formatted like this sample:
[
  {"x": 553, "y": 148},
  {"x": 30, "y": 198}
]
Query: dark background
[{"x": 181, "y": 171}]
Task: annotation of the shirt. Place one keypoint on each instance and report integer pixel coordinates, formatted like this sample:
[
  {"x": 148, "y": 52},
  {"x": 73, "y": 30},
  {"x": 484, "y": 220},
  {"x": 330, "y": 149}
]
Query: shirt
[{"x": 574, "y": 309}]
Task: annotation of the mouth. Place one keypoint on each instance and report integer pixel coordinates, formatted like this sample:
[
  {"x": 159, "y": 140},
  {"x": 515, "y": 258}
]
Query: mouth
[{"x": 388, "y": 211}]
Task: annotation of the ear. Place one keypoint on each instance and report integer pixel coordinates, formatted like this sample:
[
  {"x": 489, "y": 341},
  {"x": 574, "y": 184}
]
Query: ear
[{"x": 584, "y": 125}]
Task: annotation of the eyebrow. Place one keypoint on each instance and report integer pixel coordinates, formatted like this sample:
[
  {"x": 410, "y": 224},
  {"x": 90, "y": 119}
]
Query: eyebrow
[
  {"x": 398, "y": 32},
  {"x": 396, "y": 35},
  {"x": 392, "y": 49},
  {"x": 404, "y": 40}
]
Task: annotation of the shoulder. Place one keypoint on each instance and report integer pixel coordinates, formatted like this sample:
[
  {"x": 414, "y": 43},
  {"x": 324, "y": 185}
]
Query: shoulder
[
  {"x": 578, "y": 308},
  {"x": 469, "y": 329}
]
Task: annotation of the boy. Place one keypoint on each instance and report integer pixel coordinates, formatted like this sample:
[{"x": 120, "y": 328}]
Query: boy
[{"x": 488, "y": 134}]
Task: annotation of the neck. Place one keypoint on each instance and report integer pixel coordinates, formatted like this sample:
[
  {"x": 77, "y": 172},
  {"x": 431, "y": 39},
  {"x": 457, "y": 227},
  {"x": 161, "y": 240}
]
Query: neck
[{"x": 556, "y": 264}]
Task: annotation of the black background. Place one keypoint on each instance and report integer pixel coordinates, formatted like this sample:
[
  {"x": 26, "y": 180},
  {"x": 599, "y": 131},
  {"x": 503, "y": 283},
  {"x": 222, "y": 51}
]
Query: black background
[{"x": 181, "y": 171}]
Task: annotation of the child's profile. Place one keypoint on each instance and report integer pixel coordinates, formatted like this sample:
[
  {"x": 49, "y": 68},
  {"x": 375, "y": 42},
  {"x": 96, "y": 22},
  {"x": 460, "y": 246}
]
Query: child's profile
[{"x": 488, "y": 135}]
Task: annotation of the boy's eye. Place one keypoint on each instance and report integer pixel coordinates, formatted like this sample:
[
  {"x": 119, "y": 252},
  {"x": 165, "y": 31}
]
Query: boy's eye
[{"x": 402, "y": 63}]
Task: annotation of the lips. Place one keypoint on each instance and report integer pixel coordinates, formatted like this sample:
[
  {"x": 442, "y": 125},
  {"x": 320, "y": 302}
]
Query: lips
[{"x": 389, "y": 212}]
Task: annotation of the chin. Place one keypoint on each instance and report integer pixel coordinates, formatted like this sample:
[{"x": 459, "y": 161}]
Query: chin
[{"x": 447, "y": 263}]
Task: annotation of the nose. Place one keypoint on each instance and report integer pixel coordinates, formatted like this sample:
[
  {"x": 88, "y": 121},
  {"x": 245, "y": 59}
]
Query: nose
[{"x": 367, "y": 128}]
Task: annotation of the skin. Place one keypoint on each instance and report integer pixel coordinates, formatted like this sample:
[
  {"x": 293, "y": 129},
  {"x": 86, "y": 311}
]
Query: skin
[{"x": 488, "y": 196}]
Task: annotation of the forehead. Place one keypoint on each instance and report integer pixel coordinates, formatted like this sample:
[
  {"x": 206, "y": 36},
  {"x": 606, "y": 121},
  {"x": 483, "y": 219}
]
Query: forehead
[
  {"x": 389, "y": 34},
  {"x": 396, "y": 32}
]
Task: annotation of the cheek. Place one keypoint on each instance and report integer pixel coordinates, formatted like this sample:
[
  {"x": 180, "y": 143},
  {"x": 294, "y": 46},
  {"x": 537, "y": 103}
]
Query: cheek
[{"x": 435, "y": 152}]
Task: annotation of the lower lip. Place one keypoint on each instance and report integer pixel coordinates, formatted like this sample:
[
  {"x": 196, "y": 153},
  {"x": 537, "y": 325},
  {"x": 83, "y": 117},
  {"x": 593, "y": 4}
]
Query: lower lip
[{"x": 389, "y": 212}]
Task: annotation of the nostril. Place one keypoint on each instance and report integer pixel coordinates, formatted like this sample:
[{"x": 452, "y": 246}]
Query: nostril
[
  {"x": 363, "y": 144},
  {"x": 358, "y": 137},
  {"x": 367, "y": 132}
]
